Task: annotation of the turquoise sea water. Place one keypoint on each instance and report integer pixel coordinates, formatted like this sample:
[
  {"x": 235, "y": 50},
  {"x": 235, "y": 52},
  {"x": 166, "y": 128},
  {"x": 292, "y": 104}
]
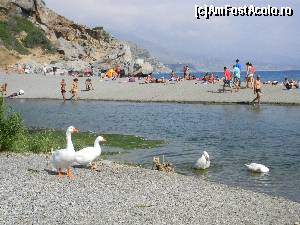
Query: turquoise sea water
[
  {"x": 265, "y": 75},
  {"x": 232, "y": 134}
]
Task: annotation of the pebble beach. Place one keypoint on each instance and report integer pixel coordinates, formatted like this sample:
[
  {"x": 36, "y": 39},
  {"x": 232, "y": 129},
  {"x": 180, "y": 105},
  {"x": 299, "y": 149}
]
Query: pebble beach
[
  {"x": 48, "y": 87},
  {"x": 119, "y": 194}
]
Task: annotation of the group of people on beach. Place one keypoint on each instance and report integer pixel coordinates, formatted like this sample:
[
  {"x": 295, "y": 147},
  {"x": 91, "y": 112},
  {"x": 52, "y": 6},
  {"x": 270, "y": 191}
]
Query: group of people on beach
[
  {"x": 74, "y": 88},
  {"x": 235, "y": 79}
]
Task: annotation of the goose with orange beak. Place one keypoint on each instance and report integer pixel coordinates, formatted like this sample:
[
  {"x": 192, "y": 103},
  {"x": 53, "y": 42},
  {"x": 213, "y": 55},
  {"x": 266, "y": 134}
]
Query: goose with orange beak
[
  {"x": 88, "y": 155},
  {"x": 62, "y": 159}
]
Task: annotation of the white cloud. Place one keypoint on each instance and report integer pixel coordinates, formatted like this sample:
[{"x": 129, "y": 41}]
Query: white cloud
[{"x": 169, "y": 26}]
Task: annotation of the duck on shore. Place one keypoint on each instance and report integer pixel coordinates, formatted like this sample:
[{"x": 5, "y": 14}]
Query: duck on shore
[
  {"x": 63, "y": 158},
  {"x": 87, "y": 155}
]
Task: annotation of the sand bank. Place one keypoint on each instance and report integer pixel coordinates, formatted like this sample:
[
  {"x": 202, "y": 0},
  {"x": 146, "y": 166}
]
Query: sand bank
[{"x": 47, "y": 87}]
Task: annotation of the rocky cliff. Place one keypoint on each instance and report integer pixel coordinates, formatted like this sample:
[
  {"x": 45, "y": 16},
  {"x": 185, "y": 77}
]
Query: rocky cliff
[{"x": 76, "y": 44}]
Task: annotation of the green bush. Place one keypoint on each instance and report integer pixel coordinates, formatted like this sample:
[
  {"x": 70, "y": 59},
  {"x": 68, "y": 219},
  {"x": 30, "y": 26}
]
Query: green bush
[
  {"x": 9, "y": 40},
  {"x": 11, "y": 128},
  {"x": 15, "y": 25},
  {"x": 15, "y": 137}
]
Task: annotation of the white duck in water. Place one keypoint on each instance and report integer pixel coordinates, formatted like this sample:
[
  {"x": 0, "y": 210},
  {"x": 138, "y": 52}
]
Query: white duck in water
[
  {"x": 63, "y": 158},
  {"x": 258, "y": 168},
  {"x": 87, "y": 155},
  {"x": 203, "y": 162}
]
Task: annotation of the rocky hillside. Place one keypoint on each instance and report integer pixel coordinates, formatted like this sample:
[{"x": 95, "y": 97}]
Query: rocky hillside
[{"x": 72, "y": 45}]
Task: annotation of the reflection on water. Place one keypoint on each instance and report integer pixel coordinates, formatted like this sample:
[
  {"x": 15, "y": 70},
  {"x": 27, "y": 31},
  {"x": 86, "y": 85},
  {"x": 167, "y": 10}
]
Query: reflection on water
[{"x": 233, "y": 135}]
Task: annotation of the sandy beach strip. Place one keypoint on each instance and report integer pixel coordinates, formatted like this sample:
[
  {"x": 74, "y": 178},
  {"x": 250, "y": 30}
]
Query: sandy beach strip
[
  {"x": 47, "y": 87},
  {"x": 119, "y": 194}
]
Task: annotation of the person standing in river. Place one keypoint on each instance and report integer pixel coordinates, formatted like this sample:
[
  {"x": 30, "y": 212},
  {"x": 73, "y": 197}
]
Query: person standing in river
[
  {"x": 257, "y": 90},
  {"x": 74, "y": 89},
  {"x": 63, "y": 89}
]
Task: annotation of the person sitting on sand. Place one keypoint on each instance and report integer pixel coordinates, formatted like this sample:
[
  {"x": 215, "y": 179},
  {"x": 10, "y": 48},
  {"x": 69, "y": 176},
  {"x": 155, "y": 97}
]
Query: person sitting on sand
[
  {"x": 74, "y": 89},
  {"x": 3, "y": 89},
  {"x": 257, "y": 90},
  {"x": 160, "y": 81},
  {"x": 289, "y": 84},
  {"x": 63, "y": 89},
  {"x": 149, "y": 79},
  {"x": 15, "y": 94},
  {"x": 211, "y": 79},
  {"x": 88, "y": 84},
  {"x": 174, "y": 77},
  {"x": 131, "y": 78}
]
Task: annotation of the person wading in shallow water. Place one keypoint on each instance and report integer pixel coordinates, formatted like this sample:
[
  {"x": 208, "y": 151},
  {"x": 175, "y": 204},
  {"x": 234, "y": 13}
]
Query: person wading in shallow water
[
  {"x": 257, "y": 90},
  {"x": 63, "y": 89},
  {"x": 74, "y": 89}
]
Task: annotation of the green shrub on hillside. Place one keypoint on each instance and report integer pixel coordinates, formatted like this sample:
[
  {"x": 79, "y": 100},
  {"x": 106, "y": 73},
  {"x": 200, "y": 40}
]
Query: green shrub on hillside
[
  {"x": 9, "y": 40},
  {"x": 35, "y": 37}
]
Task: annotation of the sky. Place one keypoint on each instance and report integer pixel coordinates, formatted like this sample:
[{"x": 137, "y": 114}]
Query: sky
[{"x": 169, "y": 29}]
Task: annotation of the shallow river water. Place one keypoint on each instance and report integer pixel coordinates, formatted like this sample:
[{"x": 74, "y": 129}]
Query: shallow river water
[{"x": 232, "y": 134}]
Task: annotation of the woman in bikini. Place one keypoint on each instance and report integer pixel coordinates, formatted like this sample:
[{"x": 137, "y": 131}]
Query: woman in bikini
[
  {"x": 63, "y": 89},
  {"x": 74, "y": 89}
]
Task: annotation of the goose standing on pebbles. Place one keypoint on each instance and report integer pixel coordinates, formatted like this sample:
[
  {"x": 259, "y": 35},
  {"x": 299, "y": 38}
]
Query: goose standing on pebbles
[
  {"x": 63, "y": 158},
  {"x": 203, "y": 162},
  {"x": 257, "y": 168},
  {"x": 87, "y": 155}
]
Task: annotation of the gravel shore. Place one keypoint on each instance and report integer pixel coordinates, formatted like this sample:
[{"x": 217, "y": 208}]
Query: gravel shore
[
  {"x": 48, "y": 87},
  {"x": 118, "y": 194}
]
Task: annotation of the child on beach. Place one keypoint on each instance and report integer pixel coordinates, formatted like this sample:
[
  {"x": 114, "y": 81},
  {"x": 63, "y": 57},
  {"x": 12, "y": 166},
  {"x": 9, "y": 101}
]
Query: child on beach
[
  {"x": 88, "y": 84},
  {"x": 257, "y": 90},
  {"x": 74, "y": 89},
  {"x": 63, "y": 89}
]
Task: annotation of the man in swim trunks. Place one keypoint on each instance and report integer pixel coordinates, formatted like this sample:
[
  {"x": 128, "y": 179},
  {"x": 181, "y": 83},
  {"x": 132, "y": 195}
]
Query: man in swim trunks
[
  {"x": 63, "y": 89},
  {"x": 257, "y": 90}
]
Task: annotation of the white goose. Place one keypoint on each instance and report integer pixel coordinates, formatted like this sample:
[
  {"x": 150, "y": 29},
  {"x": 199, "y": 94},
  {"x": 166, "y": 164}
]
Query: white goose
[
  {"x": 63, "y": 158},
  {"x": 258, "y": 168},
  {"x": 87, "y": 155},
  {"x": 203, "y": 162}
]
